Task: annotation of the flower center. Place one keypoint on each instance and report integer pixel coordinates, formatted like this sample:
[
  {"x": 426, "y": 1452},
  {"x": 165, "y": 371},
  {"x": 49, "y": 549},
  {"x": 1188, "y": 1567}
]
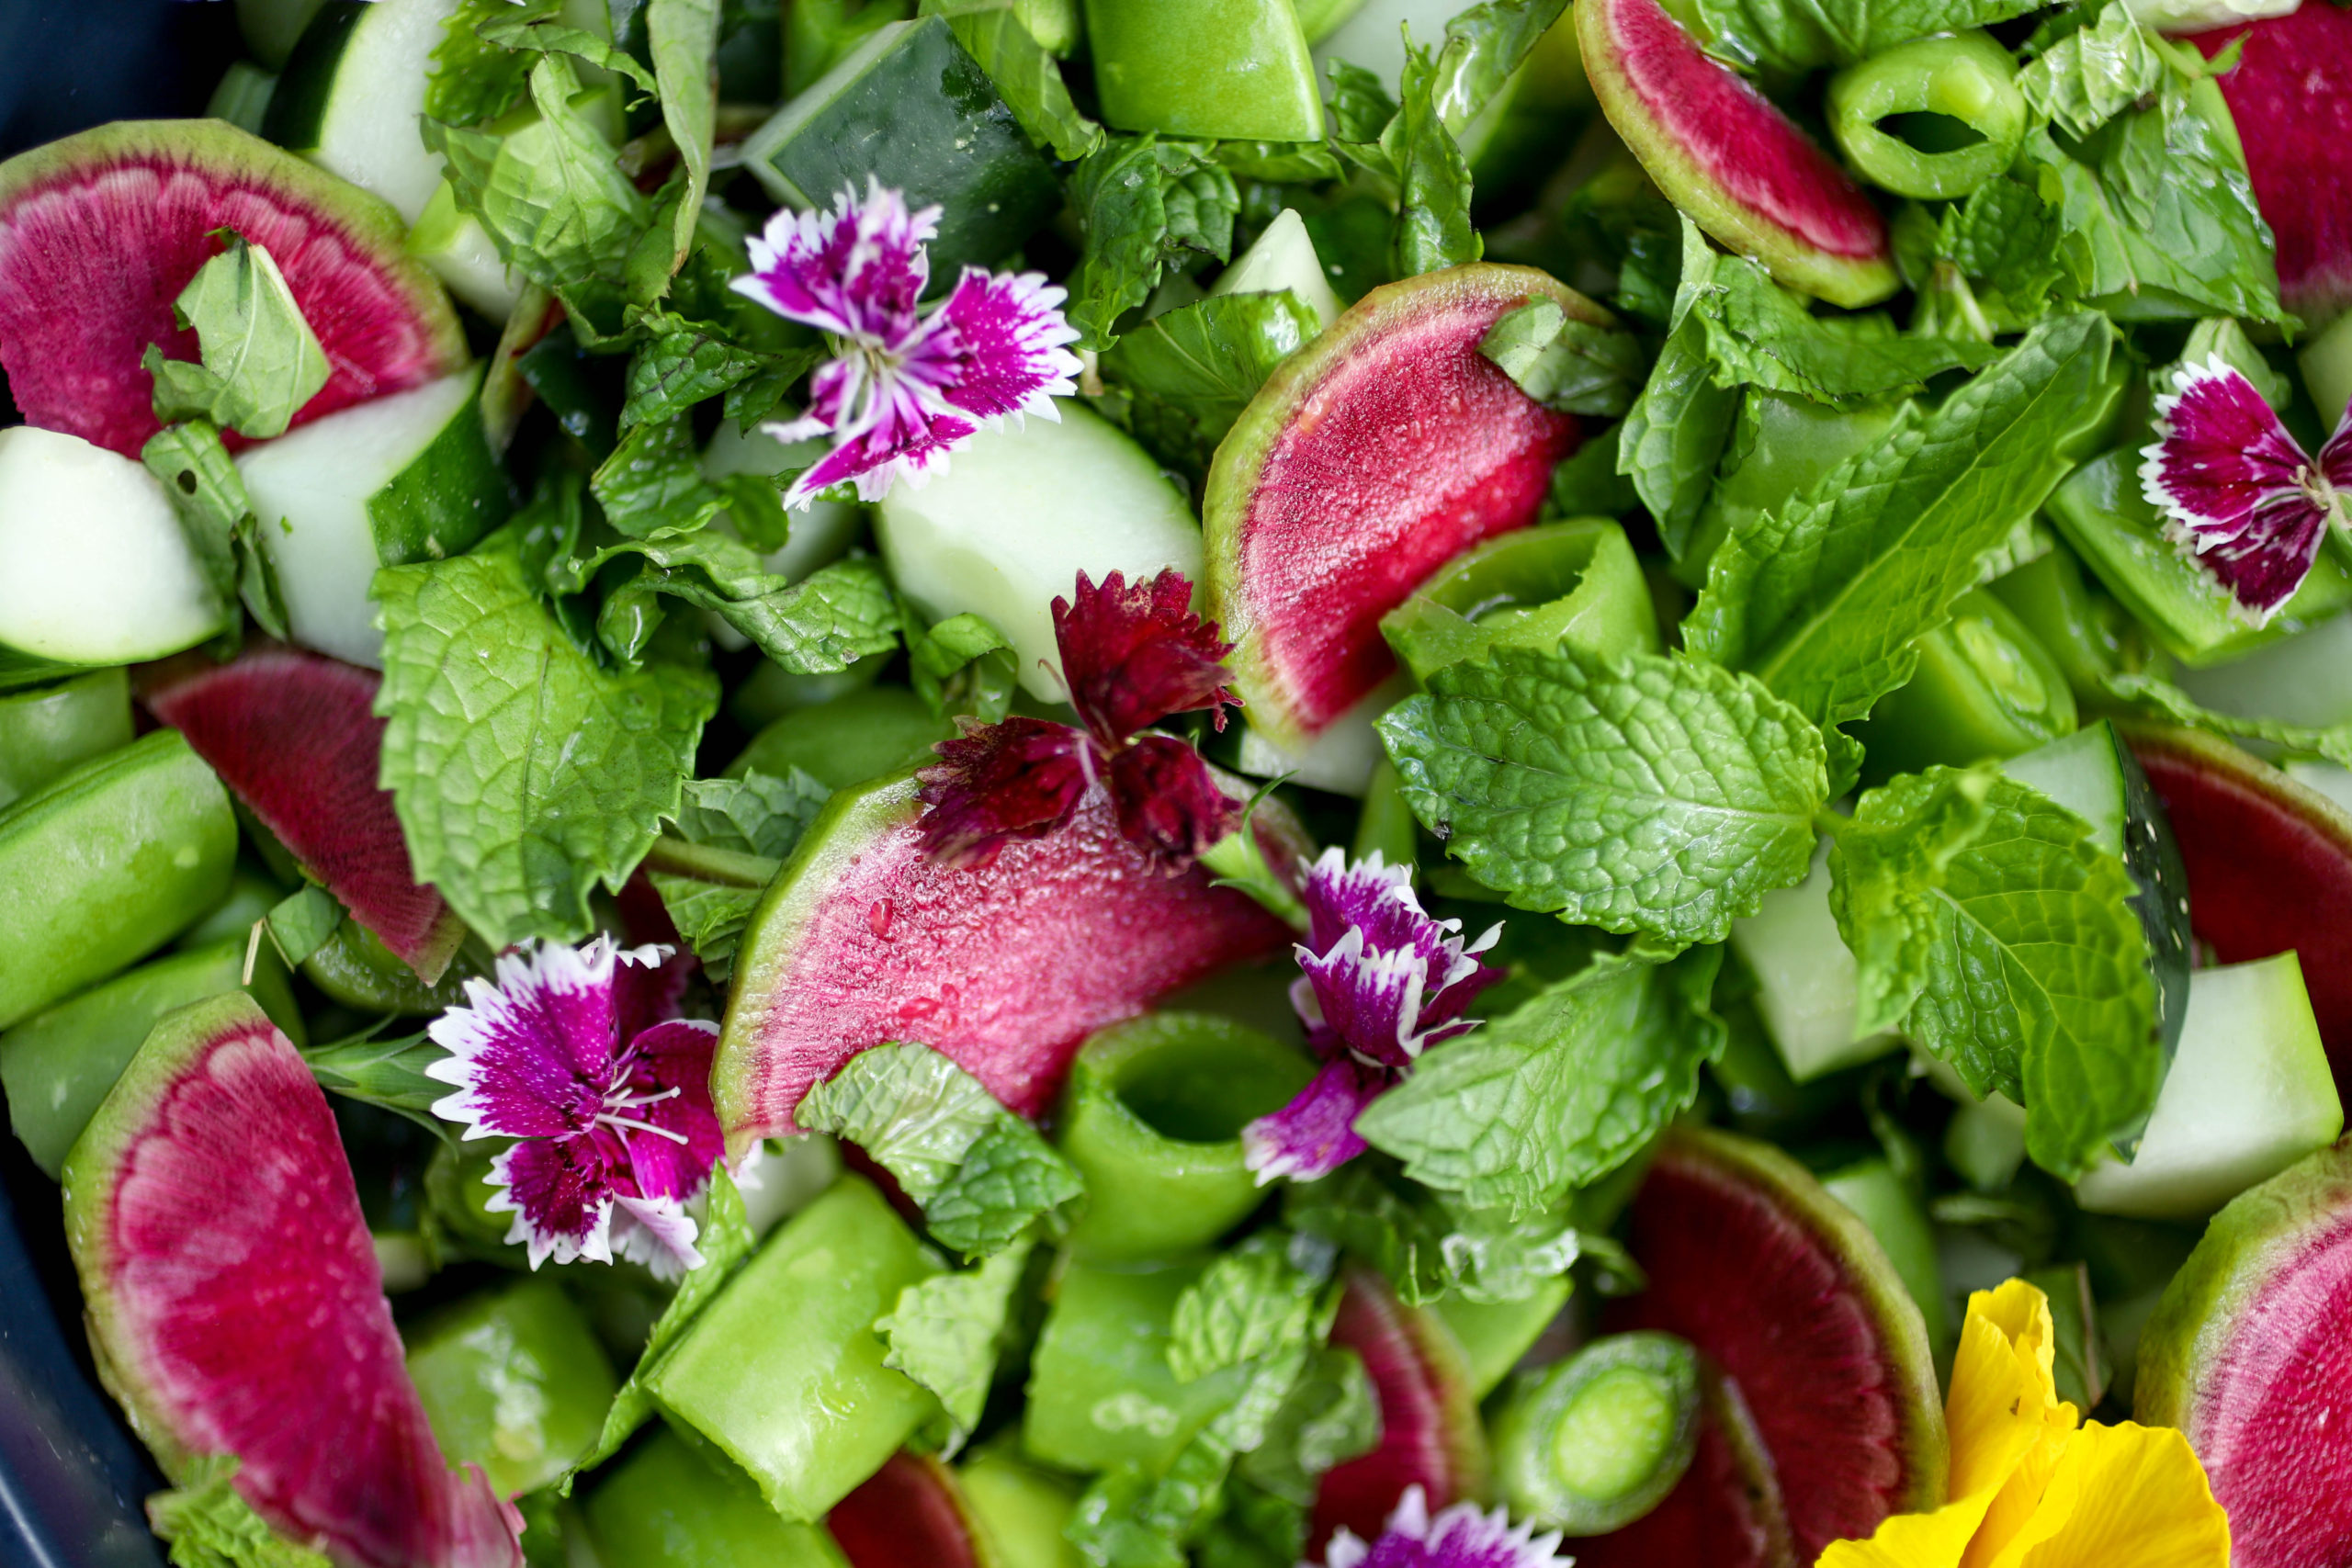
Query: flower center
[
  {"x": 618, "y": 1100},
  {"x": 2316, "y": 487}
]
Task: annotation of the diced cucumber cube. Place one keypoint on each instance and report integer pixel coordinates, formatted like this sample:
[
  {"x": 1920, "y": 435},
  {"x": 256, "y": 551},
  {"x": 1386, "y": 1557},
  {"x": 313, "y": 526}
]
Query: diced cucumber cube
[
  {"x": 910, "y": 108},
  {"x": 2303, "y": 678},
  {"x": 1807, "y": 989},
  {"x": 2249, "y": 1094},
  {"x": 668, "y": 1506},
  {"x": 1284, "y": 257}
]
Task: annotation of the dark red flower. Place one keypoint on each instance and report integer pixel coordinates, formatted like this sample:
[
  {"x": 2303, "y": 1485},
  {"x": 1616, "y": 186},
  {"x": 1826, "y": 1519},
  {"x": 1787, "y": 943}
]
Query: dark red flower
[{"x": 1131, "y": 656}]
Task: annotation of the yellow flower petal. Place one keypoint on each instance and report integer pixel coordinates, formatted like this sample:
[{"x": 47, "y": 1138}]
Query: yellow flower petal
[
  {"x": 1912, "y": 1541},
  {"x": 2125, "y": 1495}
]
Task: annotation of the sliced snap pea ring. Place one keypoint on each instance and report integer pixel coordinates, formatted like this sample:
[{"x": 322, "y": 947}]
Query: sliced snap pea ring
[
  {"x": 1591, "y": 1443},
  {"x": 1576, "y": 583},
  {"x": 1956, "y": 77}
]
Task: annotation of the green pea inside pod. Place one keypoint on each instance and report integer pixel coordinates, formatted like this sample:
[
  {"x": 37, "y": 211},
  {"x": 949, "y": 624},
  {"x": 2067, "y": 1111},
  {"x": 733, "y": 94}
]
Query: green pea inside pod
[
  {"x": 1591, "y": 1443},
  {"x": 1575, "y": 583},
  {"x": 1153, "y": 1120},
  {"x": 513, "y": 1380},
  {"x": 1984, "y": 688},
  {"x": 1932, "y": 118}
]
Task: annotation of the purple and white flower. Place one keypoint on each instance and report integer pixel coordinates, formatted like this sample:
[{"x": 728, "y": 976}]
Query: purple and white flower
[
  {"x": 908, "y": 382},
  {"x": 1458, "y": 1537},
  {"x": 1383, "y": 982},
  {"x": 2235, "y": 487},
  {"x": 615, "y": 1126}
]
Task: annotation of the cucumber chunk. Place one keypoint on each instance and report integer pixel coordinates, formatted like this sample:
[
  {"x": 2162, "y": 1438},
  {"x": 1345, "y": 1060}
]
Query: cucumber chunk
[
  {"x": 910, "y": 109},
  {"x": 668, "y": 1506},
  {"x": 2094, "y": 774},
  {"x": 1019, "y": 514},
  {"x": 2304, "y": 679},
  {"x": 453, "y": 242},
  {"x": 1340, "y": 759},
  {"x": 820, "y": 531},
  {"x": 2248, "y": 1095},
  {"x": 94, "y": 566},
  {"x": 404, "y": 478},
  {"x": 242, "y": 97},
  {"x": 1284, "y": 257},
  {"x": 353, "y": 93},
  {"x": 1807, "y": 989}
]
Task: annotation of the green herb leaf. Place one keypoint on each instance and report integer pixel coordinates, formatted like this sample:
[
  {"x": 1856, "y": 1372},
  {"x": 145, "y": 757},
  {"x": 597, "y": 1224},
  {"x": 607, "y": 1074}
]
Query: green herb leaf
[
  {"x": 683, "y": 362},
  {"x": 262, "y": 362},
  {"x": 963, "y": 665},
  {"x": 1252, "y": 1302},
  {"x": 1572, "y": 366},
  {"x": 981, "y": 1174},
  {"x": 1889, "y": 861},
  {"x": 1331, "y": 1415},
  {"x": 207, "y": 493},
  {"x": 523, "y": 775},
  {"x": 473, "y": 79},
  {"x": 1143, "y": 206},
  {"x": 2094, "y": 73},
  {"x": 301, "y": 923},
  {"x": 1560, "y": 1092},
  {"x": 210, "y": 1524},
  {"x": 2161, "y": 697},
  {"x": 1674, "y": 433},
  {"x": 1825, "y": 597},
  {"x": 1429, "y": 1243},
  {"x": 652, "y": 484},
  {"x": 2034, "y": 980},
  {"x": 386, "y": 1074},
  {"x": 710, "y": 917},
  {"x": 1360, "y": 106},
  {"x": 1029, "y": 79},
  {"x": 683, "y": 37},
  {"x": 759, "y": 814},
  {"x": 1762, "y": 334},
  {"x": 945, "y": 1332},
  {"x": 1433, "y": 229},
  {"x": 1482, "y": 46},
  {"x": 530, "y": 32},
  {"x": 1193, "y": 369},
  {"x": 1651, "y": 793},
  {"x": 1795, "y": 36}
]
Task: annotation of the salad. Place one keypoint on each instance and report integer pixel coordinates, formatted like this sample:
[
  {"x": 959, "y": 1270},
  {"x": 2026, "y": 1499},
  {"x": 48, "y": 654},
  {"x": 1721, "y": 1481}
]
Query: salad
[{"x": 1197, "y": 781}]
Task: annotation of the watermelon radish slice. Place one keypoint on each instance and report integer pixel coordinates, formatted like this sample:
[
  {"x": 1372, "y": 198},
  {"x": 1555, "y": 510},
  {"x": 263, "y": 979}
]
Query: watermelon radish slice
[
  {"x": 1722, "y": 152},
  {"x": 912, "y": 1510},
  {"x": 235, "y": 1305},
  {"x": 295, "y": 734},
  {"x": 2291, "y": 97},
  {"x": 1369, "y": 459},
  {"x": 2269, "y": 865},
  {"x": 1727, "y": 1511},
  {"x": 861, "y": 939},
  {"x": 2250, "y": 1355},
  {"x": 1429, "y": 1435},
  {"x": 1784, "y": 1290},
  {"x": 99, "y": 233}
]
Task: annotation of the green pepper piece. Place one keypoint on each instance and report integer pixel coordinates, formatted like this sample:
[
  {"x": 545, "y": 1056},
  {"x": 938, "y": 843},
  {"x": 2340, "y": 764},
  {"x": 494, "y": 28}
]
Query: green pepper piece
[
  {"x": 2102, "y": 513},
  {"x": 106, "y": 863},
  {"x": 2083, "y": 629},
  {"x": 1576, "y": 583},
  {"x": 1595, "y": 1441},
  {"x": 1022, "y": 1509},
  {"x": 513, "y": 1380},
  {"x": 50, "y": 728},
  {"x": 1782, "y": 446},
  {"x": 668, "y": 1506},
  {"x": 1984, "y": 688},
  {"x": 856, "y": 737},
  {"x": 1100, "y": 1393},
  {"x": 1153, "y": 1120},
  {"x": 58, "y": 1065},
  {"x": 1895, "y": 1215},
  {"x": 1233, "y": 68},
  {"x": 1957, "y": 111},
  {"x": 1495, "y": 1335},
  {"x": 355, "y": 967},
  {"x": 783, "y": 1370}
]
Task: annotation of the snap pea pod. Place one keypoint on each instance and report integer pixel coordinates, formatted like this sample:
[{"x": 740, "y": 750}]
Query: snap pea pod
[
  {"x": 1153, "y": 1120},
  {"x": 1984, "y": 689},
  {"x": 1593, "y": 1442},
  {"x": 1495, "y": 1335},
  {"x": 354, "y": 967},
  {"x": 252, "y": 893},
  {"x": 2087, "y": 632},
  {"x": 106, "y": 863},
  {"x": 50, "y": 728},
  {"x": 1022, "y": 1509},
  {"x": 57, "y": 1065},
  {"x": 668, "y": 1506},
  {"x": 1233, "y": 68},
  {"x": 1576, "y": 583},
  {"x": 1954, "y": 97},
  {"x": 513, "y": 1380}
]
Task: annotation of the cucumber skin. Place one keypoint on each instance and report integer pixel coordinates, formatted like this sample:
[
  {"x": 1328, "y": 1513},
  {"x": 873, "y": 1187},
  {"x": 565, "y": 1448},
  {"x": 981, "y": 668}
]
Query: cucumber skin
[
  {"x": 451, "y": 494},
  {"x": 298, "y": 109}
]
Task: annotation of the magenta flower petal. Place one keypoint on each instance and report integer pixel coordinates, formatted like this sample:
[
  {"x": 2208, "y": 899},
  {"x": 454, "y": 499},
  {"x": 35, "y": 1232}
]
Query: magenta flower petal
[
  {"x": 1315, "y": 1134},
  {"x": 855, "y": 271},
  {"x": 1168, "y": 800},
  {"x": 1340, "y": 894},
  {"x": 1460, "y": 1537},
  {"x": 1133, "y": 653},
  {"x": 2234, "y": 485},
  {"x": 1007, "y": 341},
  {"x": 668, "y": 1091},
  {"x": 993, "y": 784},
  {"x": 656, "y": 1232},
  {"x": 559, "y": 1191},
  {"x": 1392, "y": 981},
  {"x": 530, "y": 1056}
]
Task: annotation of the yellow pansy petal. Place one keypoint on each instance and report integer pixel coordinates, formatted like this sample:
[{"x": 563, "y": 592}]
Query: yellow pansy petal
[
  {"x": 1914, "y": 1541},
  {"x": 2022, "y": 1314},
  {"x": 2009, "y": 1533},
  {"x": 1995, "y": 1410},
  {"x": 2127, "y": 1494}
]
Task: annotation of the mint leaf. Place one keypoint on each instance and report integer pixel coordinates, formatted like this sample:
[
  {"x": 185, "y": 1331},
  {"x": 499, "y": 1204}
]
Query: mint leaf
[
  {"x": 1888, "y": 858},
  {"x": 1252, "y": 1302},
  {"x": 684, "y": 38},
  {"x": 2094, "y": 73},
  {"x": 1558, "y": 1092},
  {"x": 1572, "y": 366},
  {"x": 210, "y": 1524},
  {"x": 1433, "y": 229},
  {"x": 652, "y": 484},
  {"x": 531, "y": 31},
  {"x": 2152, "y": 692},
  {"x": 981, "y": 1174},
  {"x": 1027, "y": 78},
  {"x": 1429, "y": 1243},
  {"x": 2007, "y": 239},
  {"x": 521, "y": 773},
  {"x": 944, "y": 1331},
  {"x": 1483, "y": 45},
  {"x": 2034, "y": 980},
  {"x": 208, "y": 496},
  {"x": 759, "y": 814},
  {"x": 1191, "y": 371},
  {"x": 963, "y": 665},
  {"x": 683, "y": 362},
  {"x": 1650, "y": 793},
  {"x": 262, "y": 362},
  {"x": 301, "y": 923},
  {"x": 1823, "y": 597},
  {"x": 473, "y": 79},
  {"x": 1795, "y": 36},
  {"x": 1675, "y": 433},
  {"x": 710, "y": 917},
  {"x": 1331, "y": 1415},
  {"x": 726, "y": 1241},
  {"x": 1143, "y": 206}
]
